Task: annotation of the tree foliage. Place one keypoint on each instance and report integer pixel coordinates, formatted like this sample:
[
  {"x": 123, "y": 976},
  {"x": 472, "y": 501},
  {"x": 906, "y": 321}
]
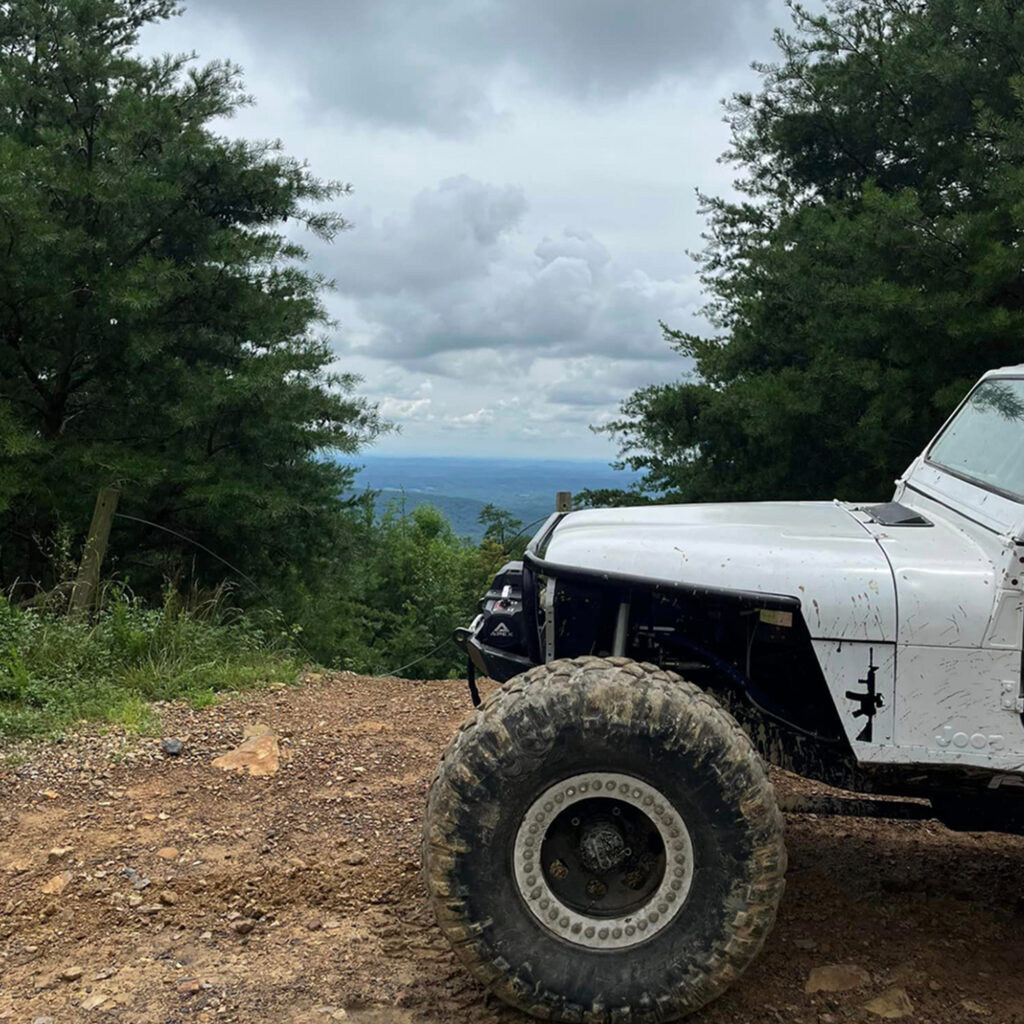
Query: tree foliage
[
  {"x": 871, "y": 268},
  {"x": 395, "y": 597},
  {"x": 158, "y": 329},
  {"x": 501, "y": 527}
]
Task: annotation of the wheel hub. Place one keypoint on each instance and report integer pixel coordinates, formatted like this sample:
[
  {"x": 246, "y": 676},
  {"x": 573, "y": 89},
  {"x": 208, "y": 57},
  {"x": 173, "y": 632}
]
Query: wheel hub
[
  {"x": 603, "y": 860},
  {"x": 602, "y": 846}
]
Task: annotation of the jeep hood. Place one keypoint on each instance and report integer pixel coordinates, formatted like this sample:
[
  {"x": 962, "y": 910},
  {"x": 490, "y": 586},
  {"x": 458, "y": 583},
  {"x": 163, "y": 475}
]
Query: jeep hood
[{"x": 816, "y": 552}]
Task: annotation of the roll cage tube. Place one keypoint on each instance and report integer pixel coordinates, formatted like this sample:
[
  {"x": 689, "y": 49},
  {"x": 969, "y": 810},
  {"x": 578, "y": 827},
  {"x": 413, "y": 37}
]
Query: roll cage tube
[{"x": 752, "y": 599}]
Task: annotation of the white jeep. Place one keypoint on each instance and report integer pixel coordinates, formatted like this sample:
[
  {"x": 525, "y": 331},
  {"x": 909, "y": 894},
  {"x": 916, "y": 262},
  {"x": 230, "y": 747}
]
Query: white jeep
[{"x": 602, "y": 841}]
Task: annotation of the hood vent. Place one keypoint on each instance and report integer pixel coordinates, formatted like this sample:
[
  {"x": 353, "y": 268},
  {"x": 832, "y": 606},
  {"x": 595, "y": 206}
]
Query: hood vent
[{"x": 892, "y": 513}]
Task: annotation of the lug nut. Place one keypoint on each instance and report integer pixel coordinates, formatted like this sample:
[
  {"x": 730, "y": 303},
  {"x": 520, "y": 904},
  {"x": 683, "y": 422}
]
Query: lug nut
[{"x": 558, "y": 869}]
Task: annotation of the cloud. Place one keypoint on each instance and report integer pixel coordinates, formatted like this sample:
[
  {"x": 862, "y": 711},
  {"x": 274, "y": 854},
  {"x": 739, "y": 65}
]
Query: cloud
[
  {"x": 470, "y": 420},
  {"x": 484, "y": 403},
  {"x": 433, "y": 65},
  {"x": 608, "y": 47},
  {"x": 452, "y": 276},
  {"x": 583, "y": 394},
  {"x": 526, "y": 174},
  {"x": 589, "y": 387},
  {"x": 405, "y": 409},
  {"x": 450, "y": 233}
]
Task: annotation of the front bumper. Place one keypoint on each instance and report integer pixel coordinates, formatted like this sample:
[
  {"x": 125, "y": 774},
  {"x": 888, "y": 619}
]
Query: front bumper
[
  {"x": 490, "y": 661},
  {"x": 502, "y": 640}
]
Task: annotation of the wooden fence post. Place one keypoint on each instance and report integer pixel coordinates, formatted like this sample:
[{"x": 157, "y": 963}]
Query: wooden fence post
[{"x": 87, "y": 583}]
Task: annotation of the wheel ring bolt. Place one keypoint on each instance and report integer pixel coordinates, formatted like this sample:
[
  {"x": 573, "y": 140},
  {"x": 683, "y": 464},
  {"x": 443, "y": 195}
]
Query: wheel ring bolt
[{"x": 561, "y": 919}]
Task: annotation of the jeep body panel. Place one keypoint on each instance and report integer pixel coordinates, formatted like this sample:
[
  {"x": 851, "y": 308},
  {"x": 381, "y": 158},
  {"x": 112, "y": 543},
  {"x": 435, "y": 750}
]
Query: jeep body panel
[
  {"x": 820, "y": 556},
  {"x": 816, "y": 552},
  {"x": 946, "y": 579},
  {"x": 958, "y": 654}
]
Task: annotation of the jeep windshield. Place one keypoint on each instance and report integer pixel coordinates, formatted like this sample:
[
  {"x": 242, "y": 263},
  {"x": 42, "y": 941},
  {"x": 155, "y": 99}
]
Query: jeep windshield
[{"x": 984, "y": 442}]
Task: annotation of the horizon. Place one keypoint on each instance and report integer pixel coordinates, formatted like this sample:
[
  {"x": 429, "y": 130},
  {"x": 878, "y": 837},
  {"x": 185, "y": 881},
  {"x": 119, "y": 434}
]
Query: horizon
[
  {"x": 462, "y": 485},
  {"x": 595, "y": 459}
]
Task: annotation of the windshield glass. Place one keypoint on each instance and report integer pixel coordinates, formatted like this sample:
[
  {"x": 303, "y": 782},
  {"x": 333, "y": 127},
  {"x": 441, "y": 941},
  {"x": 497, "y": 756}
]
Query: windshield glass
[{"x": 985, "y": 441}]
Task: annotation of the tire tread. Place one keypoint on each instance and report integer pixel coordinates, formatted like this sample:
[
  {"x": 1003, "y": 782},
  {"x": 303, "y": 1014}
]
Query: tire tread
[{"x": 740, "y": 769}]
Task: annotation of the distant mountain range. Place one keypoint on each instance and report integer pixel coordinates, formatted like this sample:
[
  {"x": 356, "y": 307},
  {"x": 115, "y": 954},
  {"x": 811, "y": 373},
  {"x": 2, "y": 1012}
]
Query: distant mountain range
[{"x": 461, "y": 486}]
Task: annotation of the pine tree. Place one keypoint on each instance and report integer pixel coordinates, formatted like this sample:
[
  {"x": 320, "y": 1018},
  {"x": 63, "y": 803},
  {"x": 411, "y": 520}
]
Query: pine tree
[
  {"x": 158, "y": 329},
  {"x": 871, "y": 269}
]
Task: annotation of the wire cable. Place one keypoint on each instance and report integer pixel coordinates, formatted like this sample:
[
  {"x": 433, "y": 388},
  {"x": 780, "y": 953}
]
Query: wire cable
[
  {"x": 213, "y": 554},
  {"x": 249, "y": 579},
  {"x": 194, "y": 543},
  {"x": 529, "y": 526},
  {"x": 422, "y": 657}
]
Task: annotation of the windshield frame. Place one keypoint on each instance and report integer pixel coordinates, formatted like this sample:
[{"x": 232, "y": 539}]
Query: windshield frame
[{"x": 959, "y": 474}]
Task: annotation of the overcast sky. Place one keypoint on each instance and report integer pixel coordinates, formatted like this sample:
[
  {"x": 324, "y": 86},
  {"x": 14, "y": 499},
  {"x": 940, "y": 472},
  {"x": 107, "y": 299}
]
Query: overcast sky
[{"x": 525, "y": 175}]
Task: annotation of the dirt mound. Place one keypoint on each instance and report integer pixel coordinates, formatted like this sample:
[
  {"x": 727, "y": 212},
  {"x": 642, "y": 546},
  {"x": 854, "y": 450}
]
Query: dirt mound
[{"x": 143, "y": 887}]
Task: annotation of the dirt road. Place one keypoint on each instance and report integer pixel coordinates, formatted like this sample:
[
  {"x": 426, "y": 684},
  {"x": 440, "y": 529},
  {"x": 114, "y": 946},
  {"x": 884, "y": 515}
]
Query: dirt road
[{"x": 146, "y": 888}]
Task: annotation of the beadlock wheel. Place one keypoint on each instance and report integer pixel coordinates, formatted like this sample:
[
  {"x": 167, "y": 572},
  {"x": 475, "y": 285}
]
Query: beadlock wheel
[
  {"x": 602, "y": 843},
  {"x": 603, "y": 860}
]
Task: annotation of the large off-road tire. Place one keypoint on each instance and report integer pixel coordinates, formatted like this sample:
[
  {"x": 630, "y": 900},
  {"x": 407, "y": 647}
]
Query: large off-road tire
[{"x": 602, "y": 843}]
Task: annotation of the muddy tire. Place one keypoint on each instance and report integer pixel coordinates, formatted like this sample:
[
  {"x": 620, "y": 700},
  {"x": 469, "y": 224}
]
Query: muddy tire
[{"x": 602, "y": 843}]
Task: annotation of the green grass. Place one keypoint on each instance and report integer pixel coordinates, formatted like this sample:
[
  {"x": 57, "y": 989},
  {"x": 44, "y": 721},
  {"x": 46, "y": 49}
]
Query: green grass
[{"x": 55, "y": 669}]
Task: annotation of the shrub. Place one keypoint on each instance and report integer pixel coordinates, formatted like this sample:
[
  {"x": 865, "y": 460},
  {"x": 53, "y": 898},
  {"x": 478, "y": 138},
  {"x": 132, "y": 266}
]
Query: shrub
[{"x": 55, "y": 669}]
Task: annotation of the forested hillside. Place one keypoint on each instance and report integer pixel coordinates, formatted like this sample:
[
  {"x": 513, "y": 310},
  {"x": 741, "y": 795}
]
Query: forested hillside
[{"x": 461, "y": 487}]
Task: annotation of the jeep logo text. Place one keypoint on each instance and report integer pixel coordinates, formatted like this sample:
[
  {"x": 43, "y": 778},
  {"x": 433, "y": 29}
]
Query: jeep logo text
[{"x": 977, "y": 740}]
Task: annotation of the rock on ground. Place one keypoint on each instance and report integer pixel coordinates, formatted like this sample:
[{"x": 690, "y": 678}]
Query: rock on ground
[
  {"x": 893, "y": 1004},
  {"x": 258, "y": 754},
  {"x": 836, "y": 978}
]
